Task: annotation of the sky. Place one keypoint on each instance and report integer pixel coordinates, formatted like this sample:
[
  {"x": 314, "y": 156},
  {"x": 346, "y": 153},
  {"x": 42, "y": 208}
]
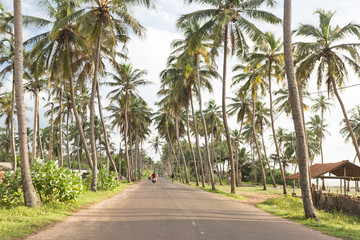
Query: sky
[{"x": 150, "y": 53}]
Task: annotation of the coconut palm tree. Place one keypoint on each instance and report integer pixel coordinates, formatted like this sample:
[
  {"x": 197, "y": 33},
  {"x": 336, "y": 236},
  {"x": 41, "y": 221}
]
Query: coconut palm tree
[
  {"x": 227, "y": 19},
  {"x": 112, "y": 17},
  {"x": 30, "y": 197},
  {"x": 329, "y": 53},
  {"x": 262, "y": 114},
  {"x": 192, "y": 57},
  {"x": 301, "y": 144},
  {"x": 36, "y": 81},
  {"x": 269, "y": 58},
  {"x": 355, "y": 125},
  {"x": 256, "y": 84},
  {"x": 126, "y": 81},
  {"x": 320, "y": 104},
  {"x": 62, "y": 50}
]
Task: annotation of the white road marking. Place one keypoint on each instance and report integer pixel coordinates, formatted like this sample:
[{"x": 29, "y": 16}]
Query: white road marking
[{"x": 193, "y": 223}]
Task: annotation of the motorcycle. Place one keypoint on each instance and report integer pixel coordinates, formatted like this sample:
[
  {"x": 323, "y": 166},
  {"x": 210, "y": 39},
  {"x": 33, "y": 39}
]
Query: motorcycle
[{"x": 154, "y": 180}]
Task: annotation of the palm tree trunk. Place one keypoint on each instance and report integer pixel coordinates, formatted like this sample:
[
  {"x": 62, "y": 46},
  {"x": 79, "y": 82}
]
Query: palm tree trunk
[
  {"x": 353, "y": 138},
  {"x": 120, "y": 160},
  {"x": 67, "y": 138},
  {"x": 204, "y": 126},
  {"x": 78, "y": 153},
  {"x": 256, "y": 142},
  {"x": 133, "y": 166},
  {"x": 39, "y": 136},
  {"x": 12, "y": 127},
  {"x": 321, "y": 148},
  {"x": 137, "y": 157},
  {"x": 190, "y": 144},
  {"x": 75, "y": 111},
  {"x": 301, "y": 144},
  {"x": 197, "y": 142},
  {"x": 181, "y": 150},
  {"x": 266, "y": 158},
  {"x": 36, "y": 96},
  {"x": 92, "y": 108},
  {"x": 227, "y": 131},
  {"x": 237, "y": 180},
  {"x": 253, "y": 161},
  {"x": 30, "y": 197},
  {"x": 125, "y": 138},
  {"x": 218, "y": 170},
  {"x": 60, "y": 128},
  {"x": 174, "y": 154},
  {"x": 105, "y": 131},
  {"x": 51, "y": 132},
  {"x": 274, "y": 133}
]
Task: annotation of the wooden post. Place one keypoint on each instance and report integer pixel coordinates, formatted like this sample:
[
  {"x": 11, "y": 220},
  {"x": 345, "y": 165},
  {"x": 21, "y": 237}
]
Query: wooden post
[
  {"x": 293, "y": 185},
  {"x": 340, "y": 186},
  {"x": 345, "y": 180},
  {"x": 317, "y": 184}
]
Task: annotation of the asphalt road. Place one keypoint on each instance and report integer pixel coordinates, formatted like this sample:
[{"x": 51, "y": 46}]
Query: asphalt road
[{"x": 173, "y": 211}]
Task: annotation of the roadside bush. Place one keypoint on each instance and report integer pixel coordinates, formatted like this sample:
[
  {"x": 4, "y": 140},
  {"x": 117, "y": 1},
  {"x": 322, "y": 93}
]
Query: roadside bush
[
  {"x": 53, "y": 184},
  {"x": 56, "y": 184},
  {"x": 11, "y": 189},
  {"x": 106, "y": 180}
]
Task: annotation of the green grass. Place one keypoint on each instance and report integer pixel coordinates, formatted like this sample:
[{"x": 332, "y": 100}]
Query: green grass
[
  {"x": 20, "y": 221},
  {"x": 336, "y": 224},
  {"x": 222, "y": 190}
]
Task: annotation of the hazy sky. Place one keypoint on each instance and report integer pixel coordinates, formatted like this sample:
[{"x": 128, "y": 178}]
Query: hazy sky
[{"x": 151, "y": 54}]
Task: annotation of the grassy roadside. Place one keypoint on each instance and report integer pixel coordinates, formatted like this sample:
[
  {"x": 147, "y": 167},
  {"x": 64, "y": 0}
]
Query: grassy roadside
[
  {"x": 20, "y": 221},
  {"x": 222, "y": 190},
  {"x": 335, "y": 224}
]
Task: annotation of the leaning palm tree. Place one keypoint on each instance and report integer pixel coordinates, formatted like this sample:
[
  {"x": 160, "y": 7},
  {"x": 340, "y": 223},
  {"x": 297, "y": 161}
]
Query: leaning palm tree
[
  {"x": 30, "y": 197},
  {"x": 227, "y": 19},
  {"x": 355, "y": 125},
  {"x": 329, "y": 56},
  {"x": 301, "y": 144}
]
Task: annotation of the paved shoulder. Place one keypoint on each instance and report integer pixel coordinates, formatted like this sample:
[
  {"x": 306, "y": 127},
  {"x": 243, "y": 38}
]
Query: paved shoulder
[{"x": 174, "y": 211}]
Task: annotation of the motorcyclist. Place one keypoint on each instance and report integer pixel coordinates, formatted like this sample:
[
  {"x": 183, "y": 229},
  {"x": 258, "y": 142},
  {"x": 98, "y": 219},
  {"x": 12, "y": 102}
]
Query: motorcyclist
[{"x": 154, "y": 176}]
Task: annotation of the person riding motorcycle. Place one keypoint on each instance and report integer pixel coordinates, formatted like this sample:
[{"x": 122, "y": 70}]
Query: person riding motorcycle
[{"x": 154, "y": 176}]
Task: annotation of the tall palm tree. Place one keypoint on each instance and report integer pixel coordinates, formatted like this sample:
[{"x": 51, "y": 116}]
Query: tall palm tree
[
  {"x": 355, "y": 125},
  {"x": 329, "y": 56},
  {"x": 227, "y": 18},
  {"x": 322, "y": 105},
  {"x": 62, "y": 51},
  {"x": 255, "y": 83},
  {"x": 30, "y": 197},
  {"x": 270, "y": 58},
  {"x": 126, "y": 81},
  {"x": 191, "y": 56},
  {"x": 301, "y": 144},
  {"x": 112, "y": 17},
  {"x": 262, "y": 113}
]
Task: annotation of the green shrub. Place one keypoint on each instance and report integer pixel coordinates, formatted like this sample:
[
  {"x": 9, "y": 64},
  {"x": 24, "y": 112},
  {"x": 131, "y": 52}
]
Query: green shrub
[
  {"x": 56, "y": 184},
  {"x": 106, "y": 180},
  {"x": 53, "y": 184},
  {"x": 11, "y": 189}
]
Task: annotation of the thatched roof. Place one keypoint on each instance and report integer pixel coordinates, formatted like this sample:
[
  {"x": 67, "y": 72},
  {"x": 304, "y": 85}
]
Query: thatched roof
[{"x": 317, "y": 170}]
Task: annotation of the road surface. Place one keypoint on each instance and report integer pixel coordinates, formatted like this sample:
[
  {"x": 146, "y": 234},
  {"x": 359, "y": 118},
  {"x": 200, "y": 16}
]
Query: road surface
[{"x": 172, "y": 211}]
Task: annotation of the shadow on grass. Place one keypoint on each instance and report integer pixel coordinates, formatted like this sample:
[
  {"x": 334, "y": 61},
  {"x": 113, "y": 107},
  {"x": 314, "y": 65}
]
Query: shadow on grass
[{"x": 226, "y": 194}]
